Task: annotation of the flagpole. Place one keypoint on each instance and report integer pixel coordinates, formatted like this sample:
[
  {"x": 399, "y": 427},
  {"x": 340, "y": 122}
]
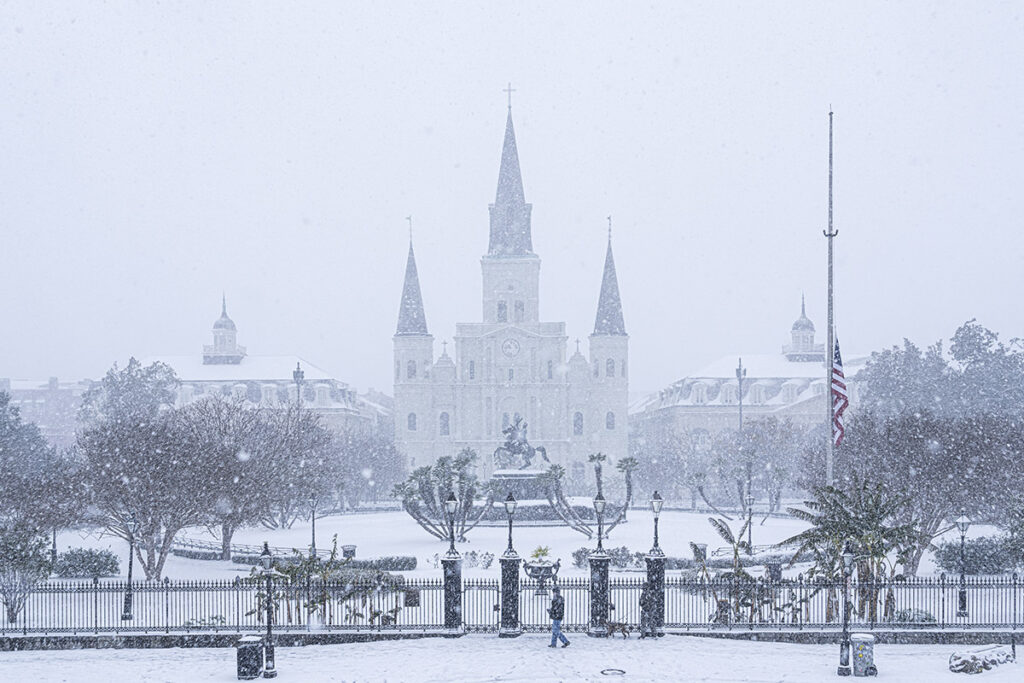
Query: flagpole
[{"x": 829, "y": 349}]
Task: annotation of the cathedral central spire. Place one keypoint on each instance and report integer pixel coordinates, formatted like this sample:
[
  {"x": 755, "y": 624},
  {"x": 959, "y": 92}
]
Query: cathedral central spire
[{"x": 510, "y": 214}]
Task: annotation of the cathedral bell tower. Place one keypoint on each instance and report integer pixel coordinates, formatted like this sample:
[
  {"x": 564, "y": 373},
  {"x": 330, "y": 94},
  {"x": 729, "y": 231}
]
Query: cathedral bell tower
[{"x": 511, "y": 271}]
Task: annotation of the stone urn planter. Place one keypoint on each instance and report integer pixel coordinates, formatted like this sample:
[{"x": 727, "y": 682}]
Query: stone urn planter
[{"x": 542, "y": 570}]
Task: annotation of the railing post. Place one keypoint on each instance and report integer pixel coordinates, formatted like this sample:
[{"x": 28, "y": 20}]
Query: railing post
[
  {"x": 942, "y": 600},
  {"x": 452, "y": 565},
  {"x": 96, "y": 604},
  {"x": 509, "y": 626},
  {"x": 599, "y": 562},
  {"x": 656, "y": 587}
]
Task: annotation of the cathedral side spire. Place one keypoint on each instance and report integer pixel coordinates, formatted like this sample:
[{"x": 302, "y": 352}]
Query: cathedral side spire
[
  {"x": 411, "y": 318},
  {"x": 510, "y": 214},
  {"x": 609, "y": 306}
]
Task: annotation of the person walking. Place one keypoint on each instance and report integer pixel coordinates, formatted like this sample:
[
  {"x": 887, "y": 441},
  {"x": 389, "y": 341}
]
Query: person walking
[
  {"x": 647, "y": 611},
  {"x": 557, "y": 613}
]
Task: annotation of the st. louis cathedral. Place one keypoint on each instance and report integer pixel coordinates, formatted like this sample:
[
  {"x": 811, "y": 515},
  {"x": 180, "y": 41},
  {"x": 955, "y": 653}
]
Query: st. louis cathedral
[{"x": 511, "y": 364}]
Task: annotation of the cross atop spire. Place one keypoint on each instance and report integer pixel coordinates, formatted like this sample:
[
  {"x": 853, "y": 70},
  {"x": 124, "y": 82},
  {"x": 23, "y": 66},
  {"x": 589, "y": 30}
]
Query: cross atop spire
[
  {"x": 609, "y": 228},
  {"x": 409, "y": 218},
  {"x": 509, "y": 90}
]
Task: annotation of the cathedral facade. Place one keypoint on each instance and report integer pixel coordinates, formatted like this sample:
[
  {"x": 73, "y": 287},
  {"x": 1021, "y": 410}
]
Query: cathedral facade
[{"x": 511, "y": 363}]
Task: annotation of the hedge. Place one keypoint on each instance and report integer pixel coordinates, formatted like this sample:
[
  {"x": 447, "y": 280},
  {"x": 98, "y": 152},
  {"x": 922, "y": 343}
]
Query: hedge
[{"x": 86, "y": 563}]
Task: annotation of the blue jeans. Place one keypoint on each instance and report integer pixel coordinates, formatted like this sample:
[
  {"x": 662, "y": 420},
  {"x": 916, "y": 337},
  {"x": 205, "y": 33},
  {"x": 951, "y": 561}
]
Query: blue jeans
[{"x": 556, "y": 632}]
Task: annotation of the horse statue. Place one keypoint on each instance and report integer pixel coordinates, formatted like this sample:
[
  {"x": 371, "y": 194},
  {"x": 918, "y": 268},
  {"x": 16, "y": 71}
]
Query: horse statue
[{"x": 516, "y": 449}]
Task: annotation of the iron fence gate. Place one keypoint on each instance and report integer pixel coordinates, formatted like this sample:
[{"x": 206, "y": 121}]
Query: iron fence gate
[{"x": 93, "y": 607}]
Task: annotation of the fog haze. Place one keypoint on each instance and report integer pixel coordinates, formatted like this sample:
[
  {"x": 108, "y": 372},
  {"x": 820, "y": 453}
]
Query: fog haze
[{"x": 155, "y": 156}]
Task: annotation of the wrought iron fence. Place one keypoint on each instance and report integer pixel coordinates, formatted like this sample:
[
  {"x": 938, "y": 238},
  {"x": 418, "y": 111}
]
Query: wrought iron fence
[{"x": 92, "y": 606}]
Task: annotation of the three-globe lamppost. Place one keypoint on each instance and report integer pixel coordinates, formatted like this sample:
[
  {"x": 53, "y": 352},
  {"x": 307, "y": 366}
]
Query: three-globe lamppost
[
  {"x": 962, "y": 524},
  {"x": 133, "y": 528}
]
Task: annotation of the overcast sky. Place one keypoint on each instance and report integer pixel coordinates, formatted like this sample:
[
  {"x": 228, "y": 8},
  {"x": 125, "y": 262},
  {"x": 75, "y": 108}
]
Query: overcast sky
[{"x": 155, "y": 155}]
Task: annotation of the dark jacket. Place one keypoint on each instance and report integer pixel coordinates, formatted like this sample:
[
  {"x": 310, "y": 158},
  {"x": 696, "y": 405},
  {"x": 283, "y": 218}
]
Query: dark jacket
[{"x": 557, "y": 609}]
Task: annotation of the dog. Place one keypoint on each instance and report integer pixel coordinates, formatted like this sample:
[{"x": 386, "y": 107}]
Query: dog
[{"x": 614, "y": 627}]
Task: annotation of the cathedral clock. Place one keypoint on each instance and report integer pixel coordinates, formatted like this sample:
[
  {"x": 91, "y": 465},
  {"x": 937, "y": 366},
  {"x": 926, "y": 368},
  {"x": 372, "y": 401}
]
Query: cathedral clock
[{"x": 510, "y": 347}]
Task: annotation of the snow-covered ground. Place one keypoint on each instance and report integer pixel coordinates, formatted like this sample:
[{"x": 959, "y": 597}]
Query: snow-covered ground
[
  {"x": 395, "y": 533},
  {"x": 488, "y": 658}
]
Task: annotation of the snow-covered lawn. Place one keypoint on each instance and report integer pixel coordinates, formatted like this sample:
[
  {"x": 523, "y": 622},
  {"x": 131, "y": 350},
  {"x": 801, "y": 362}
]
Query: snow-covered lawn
[
  {"x": 395, "y": 533},
  {"x": 488, "y": 658}
]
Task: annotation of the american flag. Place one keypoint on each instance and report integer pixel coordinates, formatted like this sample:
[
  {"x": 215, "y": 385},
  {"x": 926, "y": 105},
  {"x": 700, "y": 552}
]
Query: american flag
[{"x": 840, "y": 399}]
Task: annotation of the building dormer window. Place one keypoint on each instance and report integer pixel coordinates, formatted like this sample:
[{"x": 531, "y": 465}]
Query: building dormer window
[
  {"x": 410, "y": 370},
  {"x": 444, "y": 424},
  {"x": 757, "y": 394},
  {"x": 609, "y": 368},
  {"x": 520, "y": 311},
  {"x": 411, "y": 422},
  {"x": 789, "y": 393},
  {"x": 502, "y": 311},
  {"x": 728, "y": 394},
  {"x": 700, "y": 394}
]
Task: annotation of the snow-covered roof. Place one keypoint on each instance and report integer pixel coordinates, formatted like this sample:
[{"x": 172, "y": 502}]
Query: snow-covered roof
[
  {"x": 250, "y": 369},
  {"x": 771, "y": 372}
]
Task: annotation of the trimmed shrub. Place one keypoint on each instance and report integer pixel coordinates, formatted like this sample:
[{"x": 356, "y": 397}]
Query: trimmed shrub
[
  {"x": 85, "y": 563},
  {"x": 195, "y": 554},
  {"x": 987, "y": 555},
  {"x": 914, "y": 616},
  {"x": 390, "y": 563}
]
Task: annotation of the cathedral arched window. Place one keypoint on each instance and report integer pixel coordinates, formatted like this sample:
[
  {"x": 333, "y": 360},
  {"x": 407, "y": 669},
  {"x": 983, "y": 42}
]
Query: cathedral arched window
[
  {"x": 505, "y": 420},
  {"x": 444, "y": 424},
  {"x": 502, "y": 311},
  {"x": 609, "y": 420},
  {"x": 520, "y": 311},
  {"x": 551, "y": 369},
  {"x": 398, "y": 370},
  {"x": 577, "y": 424},
  {"x": 411, "y": 422},
  {"x": 472, "y": 369},
  {"x": 597, "y": 368},
  {"x": 410, "y": 369},
  {"x": 623, "y": 366},
  {"x": 609, "y": 368}
]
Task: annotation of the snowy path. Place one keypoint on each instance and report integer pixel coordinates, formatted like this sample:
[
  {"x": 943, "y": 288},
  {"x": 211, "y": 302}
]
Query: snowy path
[{"x": 487, "y": 658}]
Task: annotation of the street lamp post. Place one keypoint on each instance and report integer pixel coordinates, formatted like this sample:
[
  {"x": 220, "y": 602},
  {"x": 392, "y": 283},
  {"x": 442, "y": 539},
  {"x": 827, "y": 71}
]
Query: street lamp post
[
  {"x": 750, "y": 521},
  {"x": 312, "y": 521},
  {"x": 126, "y": 610},
  {"x": 510, "y": 509},
  {"x": 298, "y": 375},
  {"x": 962, "y": 523},
  {"x": 599, "y": 505},
  {"x": 656, "y": 576},
  {"x": 844, "y": 646},
  {"x": 509, "y": 561},
  {"x": 452, "y": 564},
  {"x": 267, "y": 561}
]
